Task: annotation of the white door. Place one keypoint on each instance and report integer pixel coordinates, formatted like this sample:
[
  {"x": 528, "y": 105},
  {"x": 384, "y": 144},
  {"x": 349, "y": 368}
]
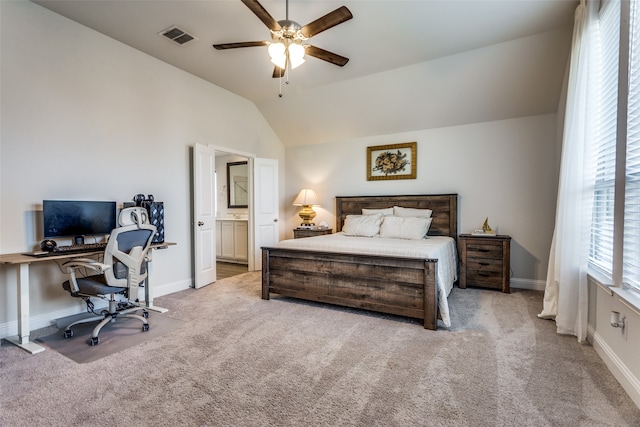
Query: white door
[
  {"x": 265, "y": 207},
  {"x": 204, "y": 220}
]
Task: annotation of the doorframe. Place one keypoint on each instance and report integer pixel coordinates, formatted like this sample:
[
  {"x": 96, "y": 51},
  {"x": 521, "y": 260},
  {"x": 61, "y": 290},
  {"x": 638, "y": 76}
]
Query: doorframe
[{"x": 251, "y": 226}]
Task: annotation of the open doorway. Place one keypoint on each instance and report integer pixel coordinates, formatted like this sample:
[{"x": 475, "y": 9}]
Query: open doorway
[
  {"x": 232, "y": 189},
  {"x": 262, "y": 209}
]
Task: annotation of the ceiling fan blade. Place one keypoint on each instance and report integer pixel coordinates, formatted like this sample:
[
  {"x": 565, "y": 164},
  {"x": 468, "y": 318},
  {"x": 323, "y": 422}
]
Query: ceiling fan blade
[
  {"x": 325, "y": 55},
  {"x": 223, "y": 46},
  {"x": 278, "y": 72},
  {"x": 329, "y": 20},
  {"x": 262, "y": 14}
]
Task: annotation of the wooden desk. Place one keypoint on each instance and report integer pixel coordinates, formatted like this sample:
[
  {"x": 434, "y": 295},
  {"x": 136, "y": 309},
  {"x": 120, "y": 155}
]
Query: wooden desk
[{"x": 23, "y": 261}]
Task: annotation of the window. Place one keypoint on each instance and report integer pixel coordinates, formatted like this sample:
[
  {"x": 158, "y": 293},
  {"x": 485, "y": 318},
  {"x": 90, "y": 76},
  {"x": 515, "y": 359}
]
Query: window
[
  {"x": 631, "y": 254},
  {"x": 601, "y": 251},
  {"x": 617, "y": 201}
]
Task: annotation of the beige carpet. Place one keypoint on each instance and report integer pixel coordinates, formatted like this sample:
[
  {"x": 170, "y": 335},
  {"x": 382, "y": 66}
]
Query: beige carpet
[
  {"x": 243, "y": 361},
  {"x": 115, "y": 337}
]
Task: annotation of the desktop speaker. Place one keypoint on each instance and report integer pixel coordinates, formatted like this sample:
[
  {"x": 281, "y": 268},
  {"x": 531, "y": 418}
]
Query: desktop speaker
[{"x": 48, "y": 245}]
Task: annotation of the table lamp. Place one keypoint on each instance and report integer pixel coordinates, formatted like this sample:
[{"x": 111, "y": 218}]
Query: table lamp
[{"x": 306, "y": 198}]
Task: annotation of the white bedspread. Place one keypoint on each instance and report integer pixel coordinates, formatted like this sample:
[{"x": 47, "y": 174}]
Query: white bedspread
[{"x": 442, "y": 248}]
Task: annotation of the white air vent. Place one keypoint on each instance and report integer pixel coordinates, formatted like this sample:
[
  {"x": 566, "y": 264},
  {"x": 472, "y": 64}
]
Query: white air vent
[{"x": 177, "y": 35}]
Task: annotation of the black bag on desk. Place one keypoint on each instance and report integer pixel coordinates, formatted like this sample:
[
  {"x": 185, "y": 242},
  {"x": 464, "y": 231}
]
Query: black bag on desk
[
  {"x": 156, "y": 218},
  {"x": 155, "y": 211}
]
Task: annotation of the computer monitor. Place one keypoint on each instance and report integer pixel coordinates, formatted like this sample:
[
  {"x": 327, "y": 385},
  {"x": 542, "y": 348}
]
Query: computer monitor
[{"x": 77, "y": 218}]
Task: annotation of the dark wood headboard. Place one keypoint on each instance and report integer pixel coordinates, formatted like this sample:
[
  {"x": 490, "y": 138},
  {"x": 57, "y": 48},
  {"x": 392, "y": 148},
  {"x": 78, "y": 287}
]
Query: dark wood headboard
[{"x": 444, "y": 207}]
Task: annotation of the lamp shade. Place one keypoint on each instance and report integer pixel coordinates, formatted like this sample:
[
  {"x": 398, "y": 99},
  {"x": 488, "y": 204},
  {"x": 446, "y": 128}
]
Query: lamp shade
[{"x": 306, "y": 197}]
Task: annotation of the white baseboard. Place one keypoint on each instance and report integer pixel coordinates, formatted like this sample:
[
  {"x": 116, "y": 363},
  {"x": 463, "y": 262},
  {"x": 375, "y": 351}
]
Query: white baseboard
[
  {"x": 169, "y": 288},
  {"x": 42, "y": 320},
  {"x": 533, "y": 285},
  {"x": 625, "y": 377}
]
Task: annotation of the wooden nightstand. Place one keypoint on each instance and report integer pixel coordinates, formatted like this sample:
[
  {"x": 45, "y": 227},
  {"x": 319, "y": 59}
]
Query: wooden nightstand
[
  {"x": 485, "y": 261},
  {"x": 299, "y": 233}
]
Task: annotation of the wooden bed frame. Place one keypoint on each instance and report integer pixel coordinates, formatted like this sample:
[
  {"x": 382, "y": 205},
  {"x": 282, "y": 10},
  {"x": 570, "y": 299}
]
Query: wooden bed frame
[{"x": 394, "y": 285}]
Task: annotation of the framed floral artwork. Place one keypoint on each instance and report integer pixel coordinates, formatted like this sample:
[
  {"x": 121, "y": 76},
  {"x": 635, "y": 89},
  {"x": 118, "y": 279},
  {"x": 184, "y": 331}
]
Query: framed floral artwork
[{"x": 393, "y": 161}]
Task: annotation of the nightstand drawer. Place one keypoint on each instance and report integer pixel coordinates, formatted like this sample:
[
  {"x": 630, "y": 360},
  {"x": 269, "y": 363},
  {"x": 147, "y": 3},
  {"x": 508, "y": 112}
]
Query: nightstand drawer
[
  {"x": 491, "y": 266},
  {"x": 490, "y": 283},
  {"x": 480, "y": 250},
  {"x": 484, "y": 274},
  {"x": 300, "y": 233}
]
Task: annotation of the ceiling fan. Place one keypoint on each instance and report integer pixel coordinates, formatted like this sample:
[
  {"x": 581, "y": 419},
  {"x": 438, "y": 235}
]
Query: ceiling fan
[{"x": 286, "y": 47}]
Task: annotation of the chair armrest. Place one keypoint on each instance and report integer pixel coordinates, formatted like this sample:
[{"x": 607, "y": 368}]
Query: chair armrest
[
  {"x": 91, "y": 264},
  {"x": 74, "y": 264}
]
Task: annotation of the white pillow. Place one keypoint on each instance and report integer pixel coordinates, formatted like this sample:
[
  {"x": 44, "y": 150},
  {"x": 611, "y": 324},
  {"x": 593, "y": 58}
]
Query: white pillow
[
  {"x": 362, "y": 225},
  {"x": 385, "y": 212},
  {"x": 411, "y": 212},
  {"x": 411, "y": 228}
]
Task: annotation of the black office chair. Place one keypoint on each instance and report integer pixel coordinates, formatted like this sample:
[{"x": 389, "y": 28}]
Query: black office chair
[{"x": 122, "y": 272}]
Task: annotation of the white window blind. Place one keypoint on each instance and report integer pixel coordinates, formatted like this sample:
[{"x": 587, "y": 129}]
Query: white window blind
[
  {"x": 601, "y": 250},
  {"x": 631, "y": 251}
]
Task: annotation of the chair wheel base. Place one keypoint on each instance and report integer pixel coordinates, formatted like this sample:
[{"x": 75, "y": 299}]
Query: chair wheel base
[
  {"x": 145, "y": 327},
  {"x": 94, "y": 341},
  {"x": 68, "y": 333}
]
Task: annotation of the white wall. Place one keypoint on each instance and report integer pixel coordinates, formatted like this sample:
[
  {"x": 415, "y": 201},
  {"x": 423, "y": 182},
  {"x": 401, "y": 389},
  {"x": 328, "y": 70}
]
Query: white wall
[
  {"x": 86, "y": 117},
  {"x": 617, "y": 347},
  {"x": 505, "y": 170},
  {"x": 519, "y": 78}
]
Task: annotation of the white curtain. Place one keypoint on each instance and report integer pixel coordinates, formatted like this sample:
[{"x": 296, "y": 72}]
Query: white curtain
[{"x": 565, "y": 297}]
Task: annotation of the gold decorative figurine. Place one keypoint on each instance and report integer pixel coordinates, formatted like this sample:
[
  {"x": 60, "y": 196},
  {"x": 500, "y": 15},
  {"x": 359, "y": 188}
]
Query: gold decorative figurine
[{"x": 486, "y": 228}]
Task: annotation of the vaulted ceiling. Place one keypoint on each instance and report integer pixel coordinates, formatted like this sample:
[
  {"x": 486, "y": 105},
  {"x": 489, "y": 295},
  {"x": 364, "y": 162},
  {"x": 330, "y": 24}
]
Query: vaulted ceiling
[{"x": 413, "y": 64}]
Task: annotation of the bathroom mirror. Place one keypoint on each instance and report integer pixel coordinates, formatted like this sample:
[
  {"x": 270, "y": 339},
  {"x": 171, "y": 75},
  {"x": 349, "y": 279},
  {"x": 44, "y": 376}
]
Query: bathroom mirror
[{"x": 237, "y": 185}]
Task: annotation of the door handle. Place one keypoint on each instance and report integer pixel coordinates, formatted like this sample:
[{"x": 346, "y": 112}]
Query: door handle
[
  {"x": 200, "y": 223},
  {"x": 275, "y": 219}
]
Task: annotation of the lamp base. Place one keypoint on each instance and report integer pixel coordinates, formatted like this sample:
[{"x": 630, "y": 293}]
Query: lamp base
[{"x": 307, "y": 214}]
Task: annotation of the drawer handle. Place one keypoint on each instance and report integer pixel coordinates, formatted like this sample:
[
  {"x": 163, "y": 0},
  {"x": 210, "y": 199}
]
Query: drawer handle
[
  {"x": 484, "y": 274},
  {"x": 484, "y": 263}
]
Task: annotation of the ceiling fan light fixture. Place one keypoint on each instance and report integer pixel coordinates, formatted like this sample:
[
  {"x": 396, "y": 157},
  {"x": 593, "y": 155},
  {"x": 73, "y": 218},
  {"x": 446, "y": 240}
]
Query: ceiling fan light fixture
[
  {"x": 277, "y": 52},
  {"x": 279, "y": 62},
  {"x": 296, "y": 55},
  {"x": 295, "y": 63}
]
